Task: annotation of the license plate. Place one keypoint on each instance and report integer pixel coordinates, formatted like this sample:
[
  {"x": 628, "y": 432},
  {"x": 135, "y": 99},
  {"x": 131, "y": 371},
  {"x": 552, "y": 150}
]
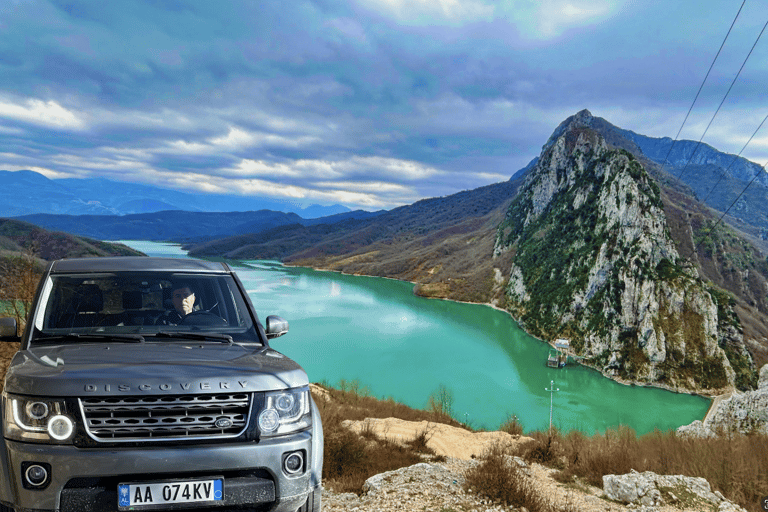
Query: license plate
[{"x": 155, "y": 495}]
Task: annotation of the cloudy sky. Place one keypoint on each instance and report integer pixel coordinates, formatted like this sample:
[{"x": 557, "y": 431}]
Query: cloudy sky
[{"x": 367, "y": 103}]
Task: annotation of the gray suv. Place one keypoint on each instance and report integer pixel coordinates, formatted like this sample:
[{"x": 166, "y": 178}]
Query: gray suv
[{"x": 149, "y": 384}]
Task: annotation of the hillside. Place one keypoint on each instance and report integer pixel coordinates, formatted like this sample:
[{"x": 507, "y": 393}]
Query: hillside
[
  {"x": 163, "y": 225},
  {"x": 594, "y": 261},
  {"x": 441, "y": 243},
  {"x": 731, "y": 257},
  {"x": 25, "y": 250},
  {"x": 23, "y": 237},
  {"x": 715, "y": 178}
]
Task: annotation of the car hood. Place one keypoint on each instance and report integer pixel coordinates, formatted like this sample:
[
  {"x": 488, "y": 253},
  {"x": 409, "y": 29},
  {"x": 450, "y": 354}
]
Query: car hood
[{"x": 154, "y": 368}]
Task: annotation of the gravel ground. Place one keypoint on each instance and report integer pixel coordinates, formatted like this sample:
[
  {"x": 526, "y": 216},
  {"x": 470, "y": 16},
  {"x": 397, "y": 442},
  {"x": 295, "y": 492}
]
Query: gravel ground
[{"x": 439, "y": 487}]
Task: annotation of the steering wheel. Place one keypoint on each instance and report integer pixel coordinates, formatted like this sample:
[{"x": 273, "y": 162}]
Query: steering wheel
[{"x": 202, "y": 318}]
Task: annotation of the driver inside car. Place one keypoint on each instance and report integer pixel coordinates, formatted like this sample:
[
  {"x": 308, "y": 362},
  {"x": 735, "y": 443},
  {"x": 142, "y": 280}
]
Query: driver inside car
[{"x": 183, "y": 298}]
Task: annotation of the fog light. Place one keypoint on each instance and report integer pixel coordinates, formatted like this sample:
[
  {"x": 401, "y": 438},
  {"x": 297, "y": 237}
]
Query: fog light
[
  {"x": 293, "y": 463},
  {"x": 36, "y": 475}
]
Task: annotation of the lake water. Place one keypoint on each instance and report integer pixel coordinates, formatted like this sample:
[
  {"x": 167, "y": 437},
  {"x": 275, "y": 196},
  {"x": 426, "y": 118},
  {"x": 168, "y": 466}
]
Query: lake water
[{"x": 377, "y": 332}]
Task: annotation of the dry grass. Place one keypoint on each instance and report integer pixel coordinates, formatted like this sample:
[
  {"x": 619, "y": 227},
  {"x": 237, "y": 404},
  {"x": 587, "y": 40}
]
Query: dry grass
[
  {"x": 354, "y": 402},
  {"x": 499, "y": 478},
  {"x": 733, "y": 464},
  {"x": 351, "y": 459}
]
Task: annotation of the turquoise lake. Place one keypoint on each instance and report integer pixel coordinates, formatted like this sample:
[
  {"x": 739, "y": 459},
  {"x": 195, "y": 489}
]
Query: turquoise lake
[{"x": 398, "y": 345}]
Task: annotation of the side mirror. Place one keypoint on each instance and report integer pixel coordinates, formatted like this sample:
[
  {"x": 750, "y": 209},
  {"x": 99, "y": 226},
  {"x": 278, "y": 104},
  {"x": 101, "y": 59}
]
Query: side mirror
[
  {"x": 276, "y": 327},
  {"x": 9, "y": 329}
]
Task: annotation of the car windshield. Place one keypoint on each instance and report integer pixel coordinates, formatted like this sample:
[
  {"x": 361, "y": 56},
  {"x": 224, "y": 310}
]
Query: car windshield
[{"x": 138, "y": 306}]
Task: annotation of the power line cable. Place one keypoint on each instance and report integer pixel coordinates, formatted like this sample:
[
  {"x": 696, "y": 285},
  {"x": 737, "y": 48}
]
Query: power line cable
[
  {"x": 696, "y": 249},
  {"x": 666, "y": 158},
  {"x": 723, "y": 101},
  {"x": 725, "y": 171}
]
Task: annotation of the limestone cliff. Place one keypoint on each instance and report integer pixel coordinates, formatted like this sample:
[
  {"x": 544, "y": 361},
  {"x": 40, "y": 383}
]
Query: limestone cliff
[{"x": 593, "y": 260}]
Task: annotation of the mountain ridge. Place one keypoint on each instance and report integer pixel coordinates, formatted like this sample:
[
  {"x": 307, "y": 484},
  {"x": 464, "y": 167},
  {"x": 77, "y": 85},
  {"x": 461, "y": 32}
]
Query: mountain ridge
[
  {"x": 177, "y": 225},
  {"x": 28, "y": 192},
  {"x": 18, "y": 237}
]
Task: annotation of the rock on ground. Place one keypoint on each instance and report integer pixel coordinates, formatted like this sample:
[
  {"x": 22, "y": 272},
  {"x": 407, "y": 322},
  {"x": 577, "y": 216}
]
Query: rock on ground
[
  {"x": 652, "y": 490},
  {"x": 743, "y": 413}
]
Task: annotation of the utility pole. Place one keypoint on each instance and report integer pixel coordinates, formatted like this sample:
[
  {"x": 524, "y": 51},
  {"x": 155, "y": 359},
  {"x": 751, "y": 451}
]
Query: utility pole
[{"x": 551, "y": 390}]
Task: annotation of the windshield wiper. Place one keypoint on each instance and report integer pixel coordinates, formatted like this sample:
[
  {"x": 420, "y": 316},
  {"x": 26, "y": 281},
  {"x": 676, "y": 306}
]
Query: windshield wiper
[
  {"x": 128, "y": 338},
  {"x": 223, "y": 338}
]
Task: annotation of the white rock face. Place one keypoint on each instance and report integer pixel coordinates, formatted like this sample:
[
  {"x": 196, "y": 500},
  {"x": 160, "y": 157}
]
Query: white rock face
[
  {"x": 647, "y": 489},
  {"x": 695, "y": 429},
  {"x": 662, "y": 318},
  {"x": 743, "y": 413},
  {"x": 517, "y": 286}
]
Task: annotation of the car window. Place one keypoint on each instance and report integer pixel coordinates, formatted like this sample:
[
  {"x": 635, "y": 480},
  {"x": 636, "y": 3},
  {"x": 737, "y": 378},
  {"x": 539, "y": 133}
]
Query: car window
[{"x": 143, "y": 303}]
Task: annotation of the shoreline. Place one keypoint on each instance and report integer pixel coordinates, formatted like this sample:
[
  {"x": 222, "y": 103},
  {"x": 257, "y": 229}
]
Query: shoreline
[{"x": 711, "y": 396}]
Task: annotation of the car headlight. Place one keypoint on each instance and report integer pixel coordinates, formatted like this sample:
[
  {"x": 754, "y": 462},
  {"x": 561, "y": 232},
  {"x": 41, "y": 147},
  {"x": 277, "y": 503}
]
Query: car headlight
[
  {"x": 285, "y": 412},
  {"x": 37, "y": 420}
]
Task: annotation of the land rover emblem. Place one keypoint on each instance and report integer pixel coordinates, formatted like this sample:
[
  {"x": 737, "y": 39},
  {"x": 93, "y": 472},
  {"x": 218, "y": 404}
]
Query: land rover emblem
[{"x": 223, "y": 423}]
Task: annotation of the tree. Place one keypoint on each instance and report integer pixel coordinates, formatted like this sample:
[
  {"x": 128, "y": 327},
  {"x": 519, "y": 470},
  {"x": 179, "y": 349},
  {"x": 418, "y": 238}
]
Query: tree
[{"x": 19, "y": 275}]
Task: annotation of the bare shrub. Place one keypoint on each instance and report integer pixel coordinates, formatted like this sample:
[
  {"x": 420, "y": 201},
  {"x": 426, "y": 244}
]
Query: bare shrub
[
  {"x": 441, "y": 403},
  {"x": 500, "y": 479},
  {"x": 420, "y": 440},
  {"x": 350, "y": 459},
  {"x": 512, "y": 426},
  {"x": 733, "y": 464},
  {"x": 545, "y": 448}
]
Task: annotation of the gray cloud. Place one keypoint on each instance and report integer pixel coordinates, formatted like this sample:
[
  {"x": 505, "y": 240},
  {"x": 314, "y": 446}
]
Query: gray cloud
[{"x": 373, "y": 103}]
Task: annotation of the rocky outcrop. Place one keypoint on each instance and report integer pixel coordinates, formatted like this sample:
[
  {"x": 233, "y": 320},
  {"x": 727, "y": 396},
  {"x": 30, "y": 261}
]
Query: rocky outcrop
[
  {"x": 743, "y": 413},
  {"x": 593, "y": 260},
  {"x": 652, "y": 490}
]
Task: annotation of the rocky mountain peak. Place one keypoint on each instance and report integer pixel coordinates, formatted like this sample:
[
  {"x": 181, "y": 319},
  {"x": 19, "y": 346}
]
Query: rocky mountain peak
[
  {"x": 593, "y": 260},
  {"x": 582, "y": 119}
]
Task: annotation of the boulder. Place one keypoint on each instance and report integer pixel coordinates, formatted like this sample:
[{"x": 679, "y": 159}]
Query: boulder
[
  {"x": 697, "y": 429},
  {"x": 651, "y": 490},
  {"x": 375, "y": 483}
]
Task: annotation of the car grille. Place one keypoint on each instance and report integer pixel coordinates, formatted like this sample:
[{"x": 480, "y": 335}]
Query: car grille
[{"x": 166, "y": 418}]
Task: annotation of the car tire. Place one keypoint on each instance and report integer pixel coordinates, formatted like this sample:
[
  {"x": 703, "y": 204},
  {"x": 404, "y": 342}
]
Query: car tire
[{"x": 313, "y": 503}]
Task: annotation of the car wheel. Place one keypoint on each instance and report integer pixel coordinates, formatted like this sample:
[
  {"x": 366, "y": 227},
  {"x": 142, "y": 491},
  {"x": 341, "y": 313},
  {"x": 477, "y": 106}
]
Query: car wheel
[{"x": 313, "y": 501}]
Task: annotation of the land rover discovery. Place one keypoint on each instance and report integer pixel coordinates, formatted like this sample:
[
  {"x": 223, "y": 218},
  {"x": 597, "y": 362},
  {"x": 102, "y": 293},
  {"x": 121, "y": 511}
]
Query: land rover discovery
[{"x": 149, "y": 384}]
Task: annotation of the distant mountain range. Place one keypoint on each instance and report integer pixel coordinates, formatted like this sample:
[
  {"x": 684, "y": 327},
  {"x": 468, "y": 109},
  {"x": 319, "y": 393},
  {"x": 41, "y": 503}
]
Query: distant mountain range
[
  {"x": 29, "y": 192},
  {"x": 179, "y": 226}
]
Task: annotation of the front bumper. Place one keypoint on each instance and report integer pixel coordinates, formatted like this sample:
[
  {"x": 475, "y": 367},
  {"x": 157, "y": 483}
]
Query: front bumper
[{"x": 85, "y": 480}]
